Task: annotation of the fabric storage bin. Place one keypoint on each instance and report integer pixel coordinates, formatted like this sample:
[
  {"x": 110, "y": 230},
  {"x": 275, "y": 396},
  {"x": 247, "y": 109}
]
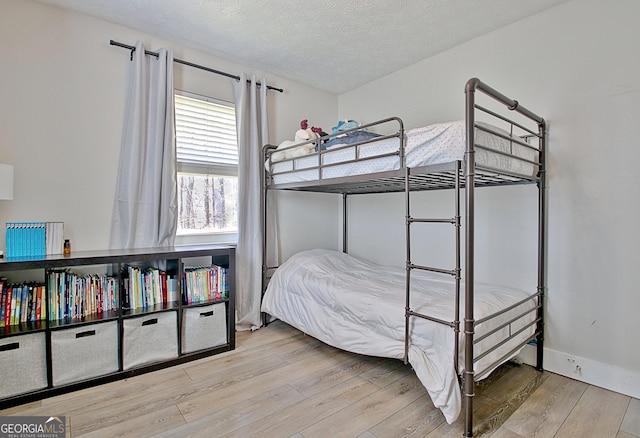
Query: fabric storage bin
[
  {"x": 23, "y": 364},
  {"x": 150, "y": 338},
  {"x": 204, "y": 327},
  {"x": 80, "y": 353}
]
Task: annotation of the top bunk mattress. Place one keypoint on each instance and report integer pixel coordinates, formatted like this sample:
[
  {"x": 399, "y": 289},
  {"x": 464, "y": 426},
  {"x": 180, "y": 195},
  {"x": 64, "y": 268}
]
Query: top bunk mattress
[{"x": 429, "y": 145}]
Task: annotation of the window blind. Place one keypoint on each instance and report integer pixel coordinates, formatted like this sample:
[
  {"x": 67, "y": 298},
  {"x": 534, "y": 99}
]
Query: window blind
[{"x": 206, "y": 138}]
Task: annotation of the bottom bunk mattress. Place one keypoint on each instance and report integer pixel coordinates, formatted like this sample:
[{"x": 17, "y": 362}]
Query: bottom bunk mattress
[{"x": 358, "y": 306}]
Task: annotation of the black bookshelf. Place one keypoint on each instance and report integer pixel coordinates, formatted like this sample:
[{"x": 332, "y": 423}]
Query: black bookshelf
[{"x": 44, "y": 341}]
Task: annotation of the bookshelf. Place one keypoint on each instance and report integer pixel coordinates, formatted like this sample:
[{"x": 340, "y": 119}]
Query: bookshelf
[{"x": 112, "y": 314}]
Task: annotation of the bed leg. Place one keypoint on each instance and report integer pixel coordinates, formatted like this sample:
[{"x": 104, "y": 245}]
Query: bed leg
[
  {"x": 540, "y": 347},
  {"x": 539, "y": 366},
  {"x": 469, "y": 389}
]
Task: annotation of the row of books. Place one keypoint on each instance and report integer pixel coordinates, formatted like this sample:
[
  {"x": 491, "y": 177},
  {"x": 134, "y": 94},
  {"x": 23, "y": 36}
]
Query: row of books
[
  {"x": 148, "y": 287},
  {"x": 21, "y": 303},
  {"x": 34, "y": 239},
  {"x": 77, "y": 296},
  {"x": 205, "y": 283}
]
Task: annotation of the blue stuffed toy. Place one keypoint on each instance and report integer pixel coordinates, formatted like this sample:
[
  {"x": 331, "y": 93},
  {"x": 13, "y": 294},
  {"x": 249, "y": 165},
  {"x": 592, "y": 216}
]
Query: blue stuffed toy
[
  {"x": 350, "y": 137},
  {"x": 344, "y": 125}
]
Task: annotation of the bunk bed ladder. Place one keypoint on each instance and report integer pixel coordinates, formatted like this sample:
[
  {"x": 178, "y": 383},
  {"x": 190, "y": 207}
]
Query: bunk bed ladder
[{"x": 410, "y": 266}]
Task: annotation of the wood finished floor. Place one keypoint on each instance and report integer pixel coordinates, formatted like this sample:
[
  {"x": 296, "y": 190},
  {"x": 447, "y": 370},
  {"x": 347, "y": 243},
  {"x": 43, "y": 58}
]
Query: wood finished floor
[{"x": 280, "y": 383}]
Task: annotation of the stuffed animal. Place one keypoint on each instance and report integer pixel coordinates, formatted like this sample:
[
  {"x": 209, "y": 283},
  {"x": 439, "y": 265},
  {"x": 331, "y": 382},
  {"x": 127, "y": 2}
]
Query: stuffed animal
[
  {"x": 344, "y": 125},
  {"x": 304, "y": 135},
  {"x": 317, "y": 131}
]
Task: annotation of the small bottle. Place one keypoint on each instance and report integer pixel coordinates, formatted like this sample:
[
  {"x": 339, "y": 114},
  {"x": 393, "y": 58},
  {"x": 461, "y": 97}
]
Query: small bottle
[{"x": 67, "y": 247}]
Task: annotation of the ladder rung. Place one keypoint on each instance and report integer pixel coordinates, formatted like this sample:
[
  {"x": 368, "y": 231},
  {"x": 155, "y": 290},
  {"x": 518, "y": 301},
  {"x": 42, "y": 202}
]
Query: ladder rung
[
  {"x": 430, "y": 318},
  {"x": 452, "y": 272},
  {"x": 435, "y": 221}
]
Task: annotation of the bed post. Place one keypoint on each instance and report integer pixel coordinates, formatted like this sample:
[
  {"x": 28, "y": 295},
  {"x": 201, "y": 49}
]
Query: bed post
[
  {"x": 468, "y": 375},
  {"x": 407, "y": 267},
  {"x": 263, "y": 208},
  {"x": 344, "y": 223},
  {"x": 458, "y": 279},
  {"x": 542, "y": 239}
]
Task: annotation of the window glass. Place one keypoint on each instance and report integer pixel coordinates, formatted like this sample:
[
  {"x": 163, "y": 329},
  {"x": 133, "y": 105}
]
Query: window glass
[{"x": 207, "y": 154}]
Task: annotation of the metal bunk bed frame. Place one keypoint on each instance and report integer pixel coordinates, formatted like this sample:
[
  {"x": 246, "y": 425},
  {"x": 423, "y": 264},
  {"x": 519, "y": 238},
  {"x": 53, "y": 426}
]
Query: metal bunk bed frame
[{"x": 459, "y": 175}]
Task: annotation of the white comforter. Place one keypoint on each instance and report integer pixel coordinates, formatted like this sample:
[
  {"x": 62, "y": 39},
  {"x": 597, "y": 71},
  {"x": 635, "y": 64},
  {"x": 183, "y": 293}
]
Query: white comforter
[{"x": 358, "y": 306}]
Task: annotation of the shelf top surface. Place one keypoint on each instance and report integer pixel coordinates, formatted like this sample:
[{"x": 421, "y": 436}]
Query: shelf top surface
[{"x": 112, "y": 256}]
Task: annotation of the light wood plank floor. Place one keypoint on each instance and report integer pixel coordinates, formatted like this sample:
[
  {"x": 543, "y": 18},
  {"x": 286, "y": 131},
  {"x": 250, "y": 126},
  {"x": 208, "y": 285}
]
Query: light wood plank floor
[{"x": 280, "y": 383}]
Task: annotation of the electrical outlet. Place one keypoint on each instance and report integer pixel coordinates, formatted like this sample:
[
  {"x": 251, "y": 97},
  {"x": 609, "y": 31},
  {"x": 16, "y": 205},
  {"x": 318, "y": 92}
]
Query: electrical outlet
[{"x": 574, "y": 366}]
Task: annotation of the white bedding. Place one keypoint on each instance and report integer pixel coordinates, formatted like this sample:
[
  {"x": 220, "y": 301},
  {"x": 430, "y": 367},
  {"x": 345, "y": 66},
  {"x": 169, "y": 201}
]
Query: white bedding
[
  {"x": 428, "y": 145},
  {"x": 358, "y": 306}
]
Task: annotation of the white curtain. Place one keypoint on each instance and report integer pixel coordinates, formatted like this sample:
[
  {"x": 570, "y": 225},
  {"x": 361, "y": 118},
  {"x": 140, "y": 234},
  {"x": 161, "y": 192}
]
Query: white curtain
[
  {"x": 251, "y": 121},
  {"x": 145, "y": 207}
]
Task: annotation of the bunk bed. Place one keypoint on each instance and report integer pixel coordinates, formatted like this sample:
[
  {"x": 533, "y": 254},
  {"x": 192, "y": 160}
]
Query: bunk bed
[{"x": 452, "y": 329}]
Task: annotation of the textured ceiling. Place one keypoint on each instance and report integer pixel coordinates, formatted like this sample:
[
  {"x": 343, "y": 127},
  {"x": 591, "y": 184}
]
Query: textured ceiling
[{"x": 333, "y": 45}]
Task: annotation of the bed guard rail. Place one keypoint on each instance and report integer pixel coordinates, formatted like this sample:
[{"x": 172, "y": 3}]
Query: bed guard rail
[{"x": 314, "y": 160}]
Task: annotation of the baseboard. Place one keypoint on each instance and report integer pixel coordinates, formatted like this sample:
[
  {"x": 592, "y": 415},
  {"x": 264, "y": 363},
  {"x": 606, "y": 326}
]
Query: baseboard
[{"x": 605, "y": 376}]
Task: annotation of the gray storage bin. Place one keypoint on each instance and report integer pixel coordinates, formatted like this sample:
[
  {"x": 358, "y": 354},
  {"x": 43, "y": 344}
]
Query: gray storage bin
[
  {"x": 23, "y": 364},
  {"x": 150, "y": 338},
  {"x": 204, "y": 327},
  {"x": 84, "y": 352}
]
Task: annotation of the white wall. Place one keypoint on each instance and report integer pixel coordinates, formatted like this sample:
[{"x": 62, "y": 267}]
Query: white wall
[
  {"x": 577, "y": 65},
  {"x": 62, "y": 91}
]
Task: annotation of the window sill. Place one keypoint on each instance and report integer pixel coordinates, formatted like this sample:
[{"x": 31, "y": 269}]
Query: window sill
[{"x": 204, "y": 238}]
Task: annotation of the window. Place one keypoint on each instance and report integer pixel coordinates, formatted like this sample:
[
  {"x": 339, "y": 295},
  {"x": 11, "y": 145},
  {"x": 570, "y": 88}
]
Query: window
[{"x": 207, "y": 162}]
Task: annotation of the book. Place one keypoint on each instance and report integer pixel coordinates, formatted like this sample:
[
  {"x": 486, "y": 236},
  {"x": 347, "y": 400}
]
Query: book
[
  {"x": 38, "y": 314},
  {"x": 147, "y": 293},
  {"x": 31, "y": 304},
  {"x": 223, "y": 284},
  {"x": 53, "y": 299},
  {"x": 113, "y": 293},
  {"x": 173, "y": 295},
  {"x": 165, "y": 295},
  {"x": 24, "y": 305},
  {"x": 126, "y": 302},
  {"x": 15, "y": 313},
  {"x": 9, "y": 307},
  {"x": 3, "y": 302},
  {"x": 54, "y": 237}
]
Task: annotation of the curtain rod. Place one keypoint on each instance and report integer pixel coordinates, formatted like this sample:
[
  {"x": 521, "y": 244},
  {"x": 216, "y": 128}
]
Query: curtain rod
[{"x": 190, "y": 64}]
